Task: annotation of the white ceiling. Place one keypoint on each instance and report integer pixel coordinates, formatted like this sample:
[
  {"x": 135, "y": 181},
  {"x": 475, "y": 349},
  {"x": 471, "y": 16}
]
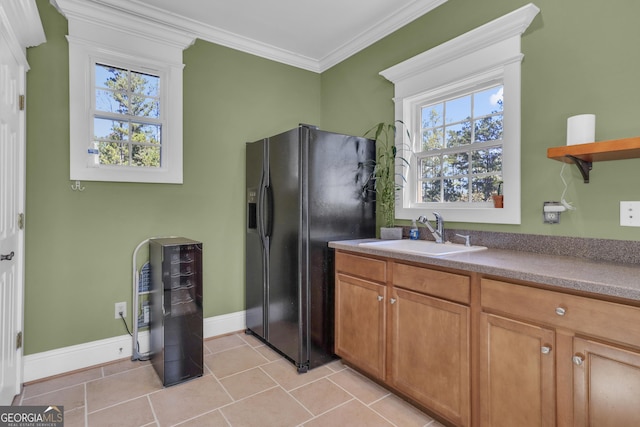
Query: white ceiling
[{"x": 309, "y": 34}]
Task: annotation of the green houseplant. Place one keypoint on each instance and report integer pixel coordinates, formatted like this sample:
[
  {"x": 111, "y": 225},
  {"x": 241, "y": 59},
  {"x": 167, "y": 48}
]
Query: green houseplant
[{"x": 385, "y": 175}]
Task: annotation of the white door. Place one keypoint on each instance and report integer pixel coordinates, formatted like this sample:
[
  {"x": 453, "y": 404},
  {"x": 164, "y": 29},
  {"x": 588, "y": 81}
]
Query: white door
[{"x": 12, "y": 152}]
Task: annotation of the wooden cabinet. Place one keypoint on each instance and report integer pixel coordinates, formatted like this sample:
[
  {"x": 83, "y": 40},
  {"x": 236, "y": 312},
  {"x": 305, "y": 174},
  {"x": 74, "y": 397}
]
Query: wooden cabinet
[
  {"x": 429, "y": 353},
  {"x": 404, "y": 325},
  {"x": 579, "y": 355},
  {"x": 360, "y": 323},
  {"x": 360, "y": 312},
  {"x": 479, "y": 351},
  {"x": 606, "y": 385},
  {"x": 517, "y": 375}
]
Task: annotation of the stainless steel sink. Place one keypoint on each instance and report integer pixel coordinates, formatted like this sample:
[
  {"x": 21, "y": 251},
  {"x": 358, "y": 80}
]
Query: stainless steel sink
[{"x": 421, "y": 247}]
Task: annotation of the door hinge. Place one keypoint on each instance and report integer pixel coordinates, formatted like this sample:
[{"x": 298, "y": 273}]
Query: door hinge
[
  {"x": 21, "y": 221},
  {"x": 19, "y": 340},
  {"x": 21, "y": 102}
]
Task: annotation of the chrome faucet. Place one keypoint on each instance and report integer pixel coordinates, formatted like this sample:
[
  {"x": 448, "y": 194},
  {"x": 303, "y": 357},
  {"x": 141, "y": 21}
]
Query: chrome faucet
[{"x": 438, "y": 232}]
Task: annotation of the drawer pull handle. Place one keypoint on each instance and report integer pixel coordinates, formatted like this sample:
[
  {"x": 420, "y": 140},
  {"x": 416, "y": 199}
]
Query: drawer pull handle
[
  {"x": 545, "y": 349},
  {"x": 380, "y": 297},
  {"x": 393, "y": 300},
  {"x": 560, "y": 311}
]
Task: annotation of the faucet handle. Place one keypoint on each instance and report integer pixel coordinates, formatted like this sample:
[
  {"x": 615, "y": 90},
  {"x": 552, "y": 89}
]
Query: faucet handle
[{"x": 466, "y": 237}]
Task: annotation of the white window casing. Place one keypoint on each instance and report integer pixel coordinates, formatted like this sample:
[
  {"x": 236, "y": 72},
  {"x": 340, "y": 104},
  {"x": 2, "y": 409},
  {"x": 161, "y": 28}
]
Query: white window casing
[
  {"x": 490, "y": 53},
  {"x": 100, "y": 32}
]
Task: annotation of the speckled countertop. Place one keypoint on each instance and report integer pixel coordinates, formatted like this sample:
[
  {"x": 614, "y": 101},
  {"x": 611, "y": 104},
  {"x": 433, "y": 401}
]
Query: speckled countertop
[{"x": 621, "y": 280}]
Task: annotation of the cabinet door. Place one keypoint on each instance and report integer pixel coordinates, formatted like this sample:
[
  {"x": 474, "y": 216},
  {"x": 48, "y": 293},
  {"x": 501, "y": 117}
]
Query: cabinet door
[
  {"x": 360, "y": 323},
  {"x": 517, "y": 378},
  {"x": 430, "y": 353},
  {"x": 606, "y": 385}
]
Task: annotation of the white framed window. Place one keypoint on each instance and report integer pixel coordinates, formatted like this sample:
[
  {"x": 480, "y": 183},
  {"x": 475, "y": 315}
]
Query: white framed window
[
  {"x": 460, "y": 102},
  {"x": 458, "y": 148},
  {"x": 128, "y": 123},
  {"x": 125, "y": 95}
]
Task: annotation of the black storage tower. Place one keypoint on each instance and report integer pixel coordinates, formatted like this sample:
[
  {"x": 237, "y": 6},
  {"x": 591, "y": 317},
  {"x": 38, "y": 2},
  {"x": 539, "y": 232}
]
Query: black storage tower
[{"x": 176, "y": 309}]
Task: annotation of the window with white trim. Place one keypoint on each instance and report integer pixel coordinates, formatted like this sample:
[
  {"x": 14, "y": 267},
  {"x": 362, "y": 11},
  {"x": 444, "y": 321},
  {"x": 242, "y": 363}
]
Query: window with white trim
[
  {"x": 125, "y": 95},
  {"x": 460, "y": 102},
  {"x": 127, "y": 119},
  {"x": 459, "y": 148}
]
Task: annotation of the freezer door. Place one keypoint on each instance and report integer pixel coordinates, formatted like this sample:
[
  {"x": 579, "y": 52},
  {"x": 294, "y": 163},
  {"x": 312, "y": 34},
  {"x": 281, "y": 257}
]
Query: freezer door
[
  {"x": 284, "y": 277},
  {"x": 255, "y": 239},
  {"x": 338, "y": 205}
]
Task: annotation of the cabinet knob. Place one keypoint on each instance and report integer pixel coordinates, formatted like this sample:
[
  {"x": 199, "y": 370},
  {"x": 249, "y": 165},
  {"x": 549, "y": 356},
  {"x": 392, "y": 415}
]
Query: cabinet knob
[
  {"x": 393, "y": 300},
  {"x": 561, "y": 311},
  {"x": 578, "y": 360},
  {"x": 380, "y": 297},
  {"x": 545, "y": 349}
]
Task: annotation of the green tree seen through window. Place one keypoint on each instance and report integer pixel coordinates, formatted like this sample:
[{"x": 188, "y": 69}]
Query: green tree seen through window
[{"x": 127, "y": 129}]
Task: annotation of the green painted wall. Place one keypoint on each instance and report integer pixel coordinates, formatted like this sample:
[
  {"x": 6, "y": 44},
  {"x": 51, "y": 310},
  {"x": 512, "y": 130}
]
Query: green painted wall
[
  {"x": 79, "y": 244},
  {"x": 580, "y": 57}
]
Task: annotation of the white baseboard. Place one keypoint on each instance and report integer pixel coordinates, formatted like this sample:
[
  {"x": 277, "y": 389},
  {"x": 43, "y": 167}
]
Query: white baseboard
[{"x": 61, "y": 360}]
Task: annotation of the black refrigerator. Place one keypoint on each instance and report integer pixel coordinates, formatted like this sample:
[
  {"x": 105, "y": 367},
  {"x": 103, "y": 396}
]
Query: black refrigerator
[{"x": 305, "y": 187}]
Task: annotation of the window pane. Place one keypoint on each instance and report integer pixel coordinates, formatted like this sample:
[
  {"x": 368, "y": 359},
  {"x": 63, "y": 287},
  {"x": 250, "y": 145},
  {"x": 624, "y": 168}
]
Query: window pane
[
  {"x": 145, "y": 84},
  {"x": 431, "y": 191},
  {"x": 144, "y": 107},
  {"x": 488, "y": 129},
  {"x": 127, "y": 94},
  {"x": 110, "y": 101},
  {"x": 432, "y": 116},
  {"x": 458, "y": 135},
  {"x": 432, "y": 139},
  {"x": 455, "y": 164},
  {"x": 430, "y": 167},
  {"x": 145, "y": 133},
  {"x": 458, "y": 109},
  {"x": 112, "y": 153},
  {"x": 145, "y": 156},
  {"x": 487, "y": 102},
  {"x": 110, "y": 129},
  {"x": 485, "y": 161},
  {"x": 456, "y": 190},
  {"x": 484, "y": 187},
  {"x": 111, "y": 77}
]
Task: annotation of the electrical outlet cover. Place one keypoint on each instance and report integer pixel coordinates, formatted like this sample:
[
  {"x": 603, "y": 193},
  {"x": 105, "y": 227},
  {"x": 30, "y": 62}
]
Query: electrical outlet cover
[
  {"x": 551, "y": 217},
  {"x": 630, "y": 214},
  {"x": 121, "y": 307}
]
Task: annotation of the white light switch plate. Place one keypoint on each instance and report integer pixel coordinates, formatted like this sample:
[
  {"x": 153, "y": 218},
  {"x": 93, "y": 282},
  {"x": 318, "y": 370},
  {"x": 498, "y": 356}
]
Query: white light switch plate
[{"x": 630, "y": 214}]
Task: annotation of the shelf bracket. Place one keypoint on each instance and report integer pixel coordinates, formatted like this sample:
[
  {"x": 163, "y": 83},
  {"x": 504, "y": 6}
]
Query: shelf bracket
[{"x": 583, "y": 166}]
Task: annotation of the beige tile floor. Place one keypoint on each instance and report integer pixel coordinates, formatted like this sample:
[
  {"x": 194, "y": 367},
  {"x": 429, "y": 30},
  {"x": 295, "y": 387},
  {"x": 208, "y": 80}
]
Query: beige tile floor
[{"x": 245, "y": 383}]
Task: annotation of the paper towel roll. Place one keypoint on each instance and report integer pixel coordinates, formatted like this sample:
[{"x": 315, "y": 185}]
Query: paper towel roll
[{"x": 581, "y": 129}]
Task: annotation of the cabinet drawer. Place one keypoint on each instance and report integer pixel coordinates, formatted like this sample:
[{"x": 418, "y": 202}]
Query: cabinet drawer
[
  {"x": 368, "y": 268},
  {"x": 612, "y": 321},
  {"x": 454, "y": 287}
]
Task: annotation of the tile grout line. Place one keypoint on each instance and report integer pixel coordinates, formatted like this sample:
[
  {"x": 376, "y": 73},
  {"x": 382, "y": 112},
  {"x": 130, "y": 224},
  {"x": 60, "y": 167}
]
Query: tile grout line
[{"x": 86, "y": 406}]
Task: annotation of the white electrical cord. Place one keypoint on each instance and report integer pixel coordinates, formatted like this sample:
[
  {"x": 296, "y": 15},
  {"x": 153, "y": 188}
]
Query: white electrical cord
[{"x": 566, "y": 204}]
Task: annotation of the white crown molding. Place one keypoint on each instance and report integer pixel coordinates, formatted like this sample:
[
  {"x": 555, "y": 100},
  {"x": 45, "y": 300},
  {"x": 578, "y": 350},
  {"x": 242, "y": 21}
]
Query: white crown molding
[
  {"x": 121, "y": 16},
  {"x": 491, "y": 33},
  {"x": 128, "y": 14},
  {"x": 25, "y": 20},
  {"x": 21, "y": 26},
  {"x": 378, "y": 31}
]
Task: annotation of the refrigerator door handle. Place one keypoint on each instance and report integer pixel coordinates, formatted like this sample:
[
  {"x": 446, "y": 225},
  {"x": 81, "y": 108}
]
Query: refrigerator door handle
[
  {"x": 260, "y": 220},
  {"x": 269, "y": 212}
]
